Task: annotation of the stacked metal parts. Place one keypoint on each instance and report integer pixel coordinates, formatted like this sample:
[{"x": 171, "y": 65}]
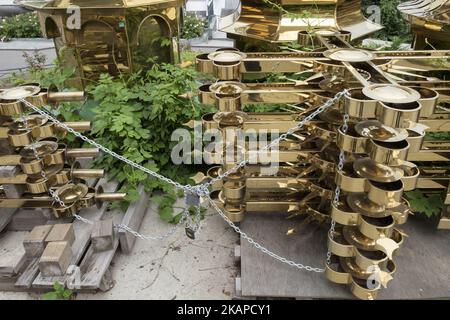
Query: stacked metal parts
[
  {"x": 364, "y": 145},
  {"x": 430, "y": 22},
  {"x": 104, "y": 36},
  {"x": 257, "y": 20},
  {"x": 35, "y": 165}
]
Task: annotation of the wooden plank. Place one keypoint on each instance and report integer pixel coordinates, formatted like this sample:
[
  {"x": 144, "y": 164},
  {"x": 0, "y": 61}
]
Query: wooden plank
[
  {"x": 56, "y": 259},
  {"x": 62, "y": 232},
  {"x": 11, "y": 190},
  {"x": 7, "y": 283},
  {"x": 27, "y": 219},
  {"x": 133, "y": 219},
  {"x": 422, "y": 262},
  {"x": 82, "y": 237},
  {"x": 12, "y": 253},
  {"x": 95, "y": 264},
  {"x": 34, "y": 242},
  {"x": 13, "y": 269},
  {"x": 6, "y": 215},
  {"x": 25, "y": 280},
  {"x": 102, "y": 237}
]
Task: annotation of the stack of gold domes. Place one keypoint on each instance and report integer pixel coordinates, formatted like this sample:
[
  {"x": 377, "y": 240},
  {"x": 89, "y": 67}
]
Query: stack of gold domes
[{"x": 373, "y": 182}]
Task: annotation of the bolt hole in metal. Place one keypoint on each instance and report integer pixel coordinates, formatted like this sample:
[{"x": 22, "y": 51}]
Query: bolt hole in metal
[
  {"x": 399, "y": 145},
  {"x": 388, "y": 186},
  {"x": 373, "y": 255},
  {"x": 385, "y": 222},
  {"x": 205, "y": 88},
  {"x": 412, "y": 106}
]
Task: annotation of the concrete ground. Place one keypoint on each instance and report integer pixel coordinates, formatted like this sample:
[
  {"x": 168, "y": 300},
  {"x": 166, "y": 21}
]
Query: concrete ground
[{"x": 178, "y": 268}]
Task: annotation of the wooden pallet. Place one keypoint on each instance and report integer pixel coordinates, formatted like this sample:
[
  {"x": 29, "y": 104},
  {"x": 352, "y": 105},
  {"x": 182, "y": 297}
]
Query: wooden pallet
[
  {"x": 422, "y": 262},
  {"x": 93, "y": 266}
]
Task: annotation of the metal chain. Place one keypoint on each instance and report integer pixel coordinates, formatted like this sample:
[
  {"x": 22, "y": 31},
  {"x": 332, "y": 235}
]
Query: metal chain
[
  {"x": 202, "y": 190},
  {"x": 337, "y": 191},
  {"x": 282, "y": 137},
  {"x": 258, "y": 245},
  {"x": 171, "y": 231},
  {"x": 188, "y": 188},
  {"x": 44, "y": 174}
]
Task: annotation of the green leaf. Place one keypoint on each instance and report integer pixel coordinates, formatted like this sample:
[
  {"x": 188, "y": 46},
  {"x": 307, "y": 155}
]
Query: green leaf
[
  {"x": 50, "y": 296},
  {"x": 166, "y": 214},
  {"x": 430, "y": 205}
]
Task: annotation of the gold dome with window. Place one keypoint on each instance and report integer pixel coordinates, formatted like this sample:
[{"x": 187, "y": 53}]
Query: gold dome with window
[{"x": 110, "y": 36}]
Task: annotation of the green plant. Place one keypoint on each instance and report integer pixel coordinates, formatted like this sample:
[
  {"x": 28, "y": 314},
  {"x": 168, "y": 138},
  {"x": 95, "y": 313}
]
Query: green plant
[
  {"x": 58, "y": 293},
  {"x": 36, "y": 72},
  {"x": 135, "y": 116},
  {"x": 24, "y": 25},
  {"x": 193, "y": 26},
  {"x": 428, "y": 204},
  {"x": 433, "y": 136},
  {"x": 263, "y": 107},
  {"x": 396, "y": 29},
  {"x": 54, "y": 76}
]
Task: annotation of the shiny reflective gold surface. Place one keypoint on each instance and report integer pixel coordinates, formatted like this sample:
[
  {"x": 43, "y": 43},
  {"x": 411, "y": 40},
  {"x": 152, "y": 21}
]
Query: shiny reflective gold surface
[
  {"x": 430, "y": 21},
  {"x": 115, "y": 36},
  {"x": 42, "y": 162},
  {"x": 259, "y": 21}
]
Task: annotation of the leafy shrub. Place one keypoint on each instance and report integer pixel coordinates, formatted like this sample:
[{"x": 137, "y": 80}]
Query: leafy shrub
[
  {"x": 427, "y": 204},
  {"x": 193, "y": 26},
  {"x": 135, "y": 116},
  {"x": 395, "y": 27},
  {"x": 24, "y": 25},
  {"x": 58, "y": 293}
]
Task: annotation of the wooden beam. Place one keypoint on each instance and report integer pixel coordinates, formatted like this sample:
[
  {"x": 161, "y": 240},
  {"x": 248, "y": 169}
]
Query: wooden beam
[
  {"x": 56, "y": 259},
  {"x": 82, "y": 237},
  {"x": 34, "y": 243},
  {"x": 133, "y": 219},
  {"x": 102, "y": 238}
]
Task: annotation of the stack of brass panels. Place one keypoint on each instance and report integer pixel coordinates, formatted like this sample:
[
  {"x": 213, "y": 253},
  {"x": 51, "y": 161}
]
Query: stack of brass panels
[
  {"x": 258, "y": 20},
  {"x": 115, "y": 37},
  {"x": 378, "y": 128},
  {"x": 430, "y": 22},
  {"x": 46, "y": 169}
]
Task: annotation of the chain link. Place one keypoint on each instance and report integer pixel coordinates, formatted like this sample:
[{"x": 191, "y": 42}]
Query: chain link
[
  {"x": 337, "y": 191},
  {"x": 282, "y": 137},
  {"x": 52, "y": 193},
  {"x": 202, "y": 190},
  {"x": 258, "y": 245}
]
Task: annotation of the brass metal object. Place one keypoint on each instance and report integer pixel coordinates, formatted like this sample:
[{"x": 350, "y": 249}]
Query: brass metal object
[
  {"x": 376, "y": 130},
  {"x": 255, "y": 21},
  {"x": 114, "y": 37},
  {"x": 20, "y": 92},
  {"x": 371, "y": 170},
  {"x": 349, "y": 55},
  {"x": 35, "y": 147},
  {"x": 388, "y": 153},
  {"x": 429, "y": 22}
]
